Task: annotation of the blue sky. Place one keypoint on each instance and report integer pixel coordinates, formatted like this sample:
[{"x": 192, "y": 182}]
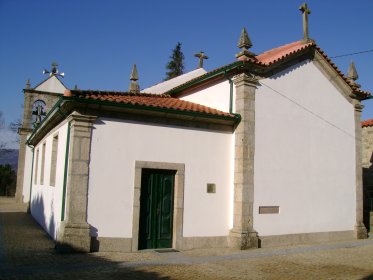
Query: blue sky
[{"x": 96, "y": 42}]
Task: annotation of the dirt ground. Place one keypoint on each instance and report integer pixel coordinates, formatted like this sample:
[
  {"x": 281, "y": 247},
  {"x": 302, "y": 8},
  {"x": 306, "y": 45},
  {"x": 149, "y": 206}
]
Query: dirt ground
[{"x": 26, "y": 252}]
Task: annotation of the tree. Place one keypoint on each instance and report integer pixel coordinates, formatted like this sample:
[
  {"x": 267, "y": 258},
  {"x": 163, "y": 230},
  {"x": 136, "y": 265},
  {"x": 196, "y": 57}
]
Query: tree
[
  {"x": 2, "y": 126},
  {"x": 8, "y": 180},
  {"x": 176, "y": 65}
]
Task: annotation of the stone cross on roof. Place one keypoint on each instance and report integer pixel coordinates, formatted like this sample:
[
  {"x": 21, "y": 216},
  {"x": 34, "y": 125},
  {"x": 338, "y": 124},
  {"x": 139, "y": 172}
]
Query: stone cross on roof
[
  {"x": 305, "y": 12},
  {"x": 201, "y": 55}
]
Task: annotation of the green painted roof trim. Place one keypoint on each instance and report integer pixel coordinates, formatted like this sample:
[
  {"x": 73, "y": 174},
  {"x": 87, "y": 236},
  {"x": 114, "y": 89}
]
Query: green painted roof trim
[{"x": 207, "y": 76}]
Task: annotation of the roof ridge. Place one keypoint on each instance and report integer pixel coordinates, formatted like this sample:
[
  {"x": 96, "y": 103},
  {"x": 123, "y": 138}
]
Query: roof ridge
[
  {"x": 118, "y": 93},
  {"x": 273, "y": 56},
  {"x": 341, "y": 74}
]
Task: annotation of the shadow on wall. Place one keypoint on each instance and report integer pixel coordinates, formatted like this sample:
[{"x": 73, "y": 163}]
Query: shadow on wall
[
  {"x": 368, "y": 196},
  {"x": 295, "y": 65},
  {"x": 32, "y": 256},
  {"x": 38, "y": 211}
]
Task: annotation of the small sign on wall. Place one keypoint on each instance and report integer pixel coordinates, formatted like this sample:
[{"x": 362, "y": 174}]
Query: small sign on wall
[
  {"x": 211, "y": 188},
  {"x": 269, "y": 209}
]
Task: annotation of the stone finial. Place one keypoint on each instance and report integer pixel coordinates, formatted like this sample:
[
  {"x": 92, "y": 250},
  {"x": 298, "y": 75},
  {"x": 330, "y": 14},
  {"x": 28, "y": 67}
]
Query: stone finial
[
  {"x": 305, "y": 12},
  {"x": 352, "y": 75},
  {"x": 244, "y": 43},
  {"x": 134, "y": 87},
  {"x": 201, "y": 55},
  {"x": 28, "y": 84}
]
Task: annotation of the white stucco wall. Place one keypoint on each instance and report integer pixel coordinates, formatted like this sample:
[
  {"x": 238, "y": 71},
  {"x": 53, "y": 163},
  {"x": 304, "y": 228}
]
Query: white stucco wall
[
  {"x": 46, "y": 200},
  {"x": 216, "y": 96},
  {"x": 304, "y": 154},
  {"x": 117, "y": 144}
]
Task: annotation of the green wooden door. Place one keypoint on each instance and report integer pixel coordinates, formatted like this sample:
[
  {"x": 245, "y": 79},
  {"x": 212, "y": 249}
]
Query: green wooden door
[{"x": 156, "y": 208}]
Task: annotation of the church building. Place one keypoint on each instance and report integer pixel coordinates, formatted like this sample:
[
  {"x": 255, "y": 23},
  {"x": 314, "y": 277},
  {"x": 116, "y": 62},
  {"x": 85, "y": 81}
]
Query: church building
[{"x": 263, "y": 151}]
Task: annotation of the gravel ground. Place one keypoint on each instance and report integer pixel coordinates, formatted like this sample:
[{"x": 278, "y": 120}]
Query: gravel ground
[{"x": 26, "y": 252}]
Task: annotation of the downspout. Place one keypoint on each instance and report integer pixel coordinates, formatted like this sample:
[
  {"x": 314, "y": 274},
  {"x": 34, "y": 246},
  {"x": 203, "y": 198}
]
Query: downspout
[
  {"x": 65, "y": 172},
  {"x": 32, "y": 172},
  {"x": 230, "y": 92}
]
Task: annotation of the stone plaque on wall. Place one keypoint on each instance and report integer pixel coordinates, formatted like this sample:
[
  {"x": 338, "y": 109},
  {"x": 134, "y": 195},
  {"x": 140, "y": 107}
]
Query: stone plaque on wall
[{"x": 269, "y": 209}]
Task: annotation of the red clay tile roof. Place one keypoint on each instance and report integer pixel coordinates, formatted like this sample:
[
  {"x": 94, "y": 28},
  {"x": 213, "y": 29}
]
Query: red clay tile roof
[
  {"x": 160, "y": 101},
  {"x": 275, "y": 55},
  {"x": 280, "y": 53},
  {"x": 367, "y": 123}
]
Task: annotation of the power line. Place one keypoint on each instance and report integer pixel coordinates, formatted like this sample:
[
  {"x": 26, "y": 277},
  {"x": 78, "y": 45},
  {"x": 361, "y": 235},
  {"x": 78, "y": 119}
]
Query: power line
[
  {"x": 309, "y": 111},
  {"x": 350, "y": 54}
]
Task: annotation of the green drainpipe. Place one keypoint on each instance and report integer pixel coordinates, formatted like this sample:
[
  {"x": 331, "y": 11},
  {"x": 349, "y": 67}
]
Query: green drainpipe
[
  {"x": 65, "y": 172},
  {"x": 230, "y": 93}
]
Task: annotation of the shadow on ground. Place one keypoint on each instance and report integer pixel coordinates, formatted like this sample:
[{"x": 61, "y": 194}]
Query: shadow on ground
[
  {"x": 370, "y": 277},
  {"x": 27, "y": 252}
]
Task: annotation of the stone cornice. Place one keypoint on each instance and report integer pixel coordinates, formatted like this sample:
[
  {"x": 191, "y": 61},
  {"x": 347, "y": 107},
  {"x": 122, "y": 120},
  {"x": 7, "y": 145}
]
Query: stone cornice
[
  {"x": 358, "y": 107},
  {"x": 78, "y": 119},
  {"x": 245, "y": 79}
]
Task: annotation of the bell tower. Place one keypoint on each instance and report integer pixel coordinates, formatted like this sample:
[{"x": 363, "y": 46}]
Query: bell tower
[{"x": 38, "y": 101}]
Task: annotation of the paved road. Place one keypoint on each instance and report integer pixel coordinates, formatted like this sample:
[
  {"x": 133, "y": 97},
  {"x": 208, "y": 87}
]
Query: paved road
[{"x": 26, "y": 252}]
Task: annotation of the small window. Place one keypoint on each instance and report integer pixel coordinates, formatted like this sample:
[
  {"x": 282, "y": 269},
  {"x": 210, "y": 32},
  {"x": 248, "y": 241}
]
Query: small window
[
  {"x": 36, "y": 167},
  {"x": 54, "y": 161},
  {"x": 42, "y": 164}
]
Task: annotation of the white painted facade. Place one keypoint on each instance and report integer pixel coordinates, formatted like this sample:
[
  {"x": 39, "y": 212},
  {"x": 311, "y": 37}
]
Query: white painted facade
[
  {"x": 304, "y": 154},
  {"x": 52, "y": 84},
  {"x": 304, "y": 151},
  {"x": 216, "y": 96},
  {"x": 207, "y": 157},
  {"x": 46, "y": 200},
  {"x": 304, "y": 163}
]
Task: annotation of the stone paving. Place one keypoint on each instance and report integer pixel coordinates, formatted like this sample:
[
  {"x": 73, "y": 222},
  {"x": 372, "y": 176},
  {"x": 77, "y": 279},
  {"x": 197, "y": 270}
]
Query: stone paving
[{"x": 26, "y": 252}]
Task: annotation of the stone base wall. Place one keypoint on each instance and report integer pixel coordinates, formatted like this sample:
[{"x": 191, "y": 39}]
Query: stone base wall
[
  {"x": 305, "y": 238},
  {"x": 107, "y": 244}
]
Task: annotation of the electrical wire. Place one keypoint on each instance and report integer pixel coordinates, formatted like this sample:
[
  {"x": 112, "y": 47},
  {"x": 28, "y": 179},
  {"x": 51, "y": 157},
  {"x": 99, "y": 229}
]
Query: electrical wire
[
  {"x": 309, "y": 111},
  {"x": 350, "y": 54}
]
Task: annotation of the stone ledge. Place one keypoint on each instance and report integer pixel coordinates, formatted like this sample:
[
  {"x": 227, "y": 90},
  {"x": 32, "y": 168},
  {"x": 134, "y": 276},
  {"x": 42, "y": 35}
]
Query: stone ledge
[
  {"x": 203, "y": 242},
  {"x": 305, "y": 238},
  {"x": 111, "y": 244}
]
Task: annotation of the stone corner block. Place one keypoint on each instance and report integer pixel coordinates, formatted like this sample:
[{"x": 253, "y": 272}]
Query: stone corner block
[
  {"x": 360, "y": 232},
  {"x": 74, "y": 238},
  {"x": 243, "y": 240}
]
